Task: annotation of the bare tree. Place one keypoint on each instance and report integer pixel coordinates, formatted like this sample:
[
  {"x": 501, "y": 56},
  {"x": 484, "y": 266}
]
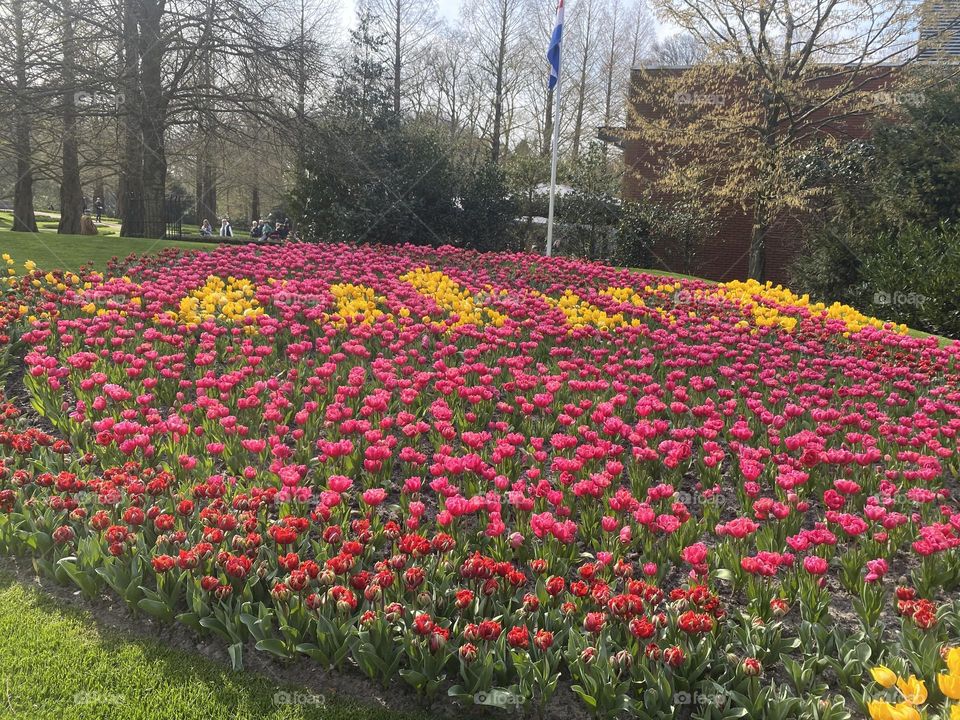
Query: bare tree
[
  {"x": 408, "y": 26},
  {"x": 71, "y": 193},
  {"x": 584, "y": 43},
  {"x": 625, "y": 31},
  {"x": 677, "y": 50},
  {"x": 20, "y": 24},
  {"x": 496, "y": 30}
]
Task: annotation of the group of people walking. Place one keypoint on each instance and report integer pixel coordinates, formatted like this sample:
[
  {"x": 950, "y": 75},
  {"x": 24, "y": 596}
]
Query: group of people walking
[
  {"x": 265, "y": 230},
  {"x": 226, "y": 230},
  {"x": 259, "y": 229}
]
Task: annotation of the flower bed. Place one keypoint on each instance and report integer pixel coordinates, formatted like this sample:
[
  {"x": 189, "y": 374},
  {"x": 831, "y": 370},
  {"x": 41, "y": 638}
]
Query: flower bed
[{"x": 484, "y": 473}]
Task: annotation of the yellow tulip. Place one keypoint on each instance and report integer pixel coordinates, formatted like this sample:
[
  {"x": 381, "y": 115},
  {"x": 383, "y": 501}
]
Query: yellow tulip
[
  {"x": 882, "y": 710},
  {"x": 953, "y": 660},
  {"x": 904, "y": 711},
  {"x": 913, "y": 690},
  {"x": 955, "y": 712},
  {"x": 949, "y": 685},
  {"x": 884, "y": 676},
  {"x": 879, "y": 709}
]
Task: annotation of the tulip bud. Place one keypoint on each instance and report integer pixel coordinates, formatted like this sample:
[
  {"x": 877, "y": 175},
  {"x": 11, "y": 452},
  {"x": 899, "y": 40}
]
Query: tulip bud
[
  {"x": 438, "y": 639},
  {"x": 468, "y": 652},
  {"x": 622, "y": 660}
]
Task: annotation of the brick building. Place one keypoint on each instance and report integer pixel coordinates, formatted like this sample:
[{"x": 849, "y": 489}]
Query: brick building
[{"x": 724, "y": 255}]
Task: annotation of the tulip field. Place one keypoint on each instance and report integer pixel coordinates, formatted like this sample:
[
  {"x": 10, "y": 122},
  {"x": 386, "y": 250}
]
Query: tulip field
[{"x": 507, "y": 483}]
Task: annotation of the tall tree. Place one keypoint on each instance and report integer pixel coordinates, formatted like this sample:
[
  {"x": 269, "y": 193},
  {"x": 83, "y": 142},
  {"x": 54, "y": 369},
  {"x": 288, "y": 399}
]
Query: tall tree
[
  {"x": 361, "y": 95},
  {"x": 154, "y": 40},
  {"x": 313, "y": 24},
  {"x": 496, "y": 25},
  {"x": 206, "y": 195},
  {"x": 71, "y": 193},
  {"x": 678, "y": 50},
  {"x": 21, "y": 93},
  {"x": 585, "y": 48},
  {"x": 407, "y": 26}
]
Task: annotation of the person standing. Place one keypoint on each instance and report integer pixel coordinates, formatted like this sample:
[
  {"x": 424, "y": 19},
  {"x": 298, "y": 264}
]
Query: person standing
[
  {"x": 98, "y": 206},
  {"x": 266, "y": 230},
  {"x": 205, "y": 229},
  {"x": 225, "y": 229}
]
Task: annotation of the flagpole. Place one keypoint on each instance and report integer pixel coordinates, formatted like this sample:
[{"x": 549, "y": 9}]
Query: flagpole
[{"x": 553, "y": 158}]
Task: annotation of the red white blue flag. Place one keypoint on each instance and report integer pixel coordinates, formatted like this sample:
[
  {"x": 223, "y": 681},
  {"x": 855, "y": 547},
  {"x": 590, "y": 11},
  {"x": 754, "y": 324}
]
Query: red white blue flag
[{"x": 553, "y": 51}]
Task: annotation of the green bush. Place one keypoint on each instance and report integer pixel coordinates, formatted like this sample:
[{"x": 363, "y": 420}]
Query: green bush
[
  {"x": 913, "y": 277},
  {"x": 887, "y": 238}
]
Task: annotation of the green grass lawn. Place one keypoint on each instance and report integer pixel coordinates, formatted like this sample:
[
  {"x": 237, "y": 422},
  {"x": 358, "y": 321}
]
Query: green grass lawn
[
  {"x": 57, "y": 663},
  {"x": 68, "y": 252}
]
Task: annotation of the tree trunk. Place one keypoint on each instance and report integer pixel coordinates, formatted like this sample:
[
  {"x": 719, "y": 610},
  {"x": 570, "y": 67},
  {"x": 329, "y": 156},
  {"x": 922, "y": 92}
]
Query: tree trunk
[
  {"x": 498, "y": 90},
  {"x": 210, "y": 190},
  {"x": 24, "y": 219},
  {"x": 756, "y": 266},
  {"x": 608, "y": 96},
  {"x": 153, "y": 119},
  {"x": 71, "y": 193},
  {"x": 582, "y": 95},
  {"x": 206, "y": 208},
  {"x": 254, "y": 203},
  {"x": 397, "y": 59},
  {"x": 130, "y": 185},
  {"x": 547, "y": 144},
  {"x": 301, "y": 93}
]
